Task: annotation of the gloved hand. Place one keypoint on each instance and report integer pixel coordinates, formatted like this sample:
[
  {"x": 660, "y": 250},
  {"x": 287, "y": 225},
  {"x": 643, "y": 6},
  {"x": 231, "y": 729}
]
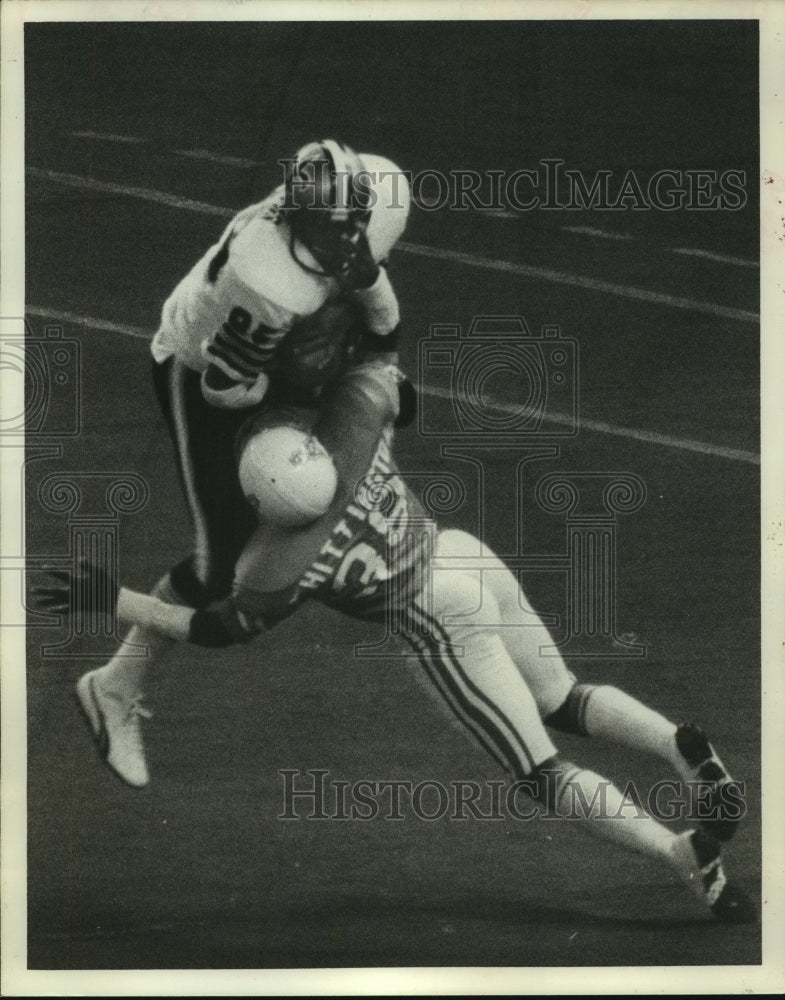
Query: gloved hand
[
  {"x": 361, "y": 270},
  {"x": 90, "y": 590},
  {"x": 231, "y": 394}
]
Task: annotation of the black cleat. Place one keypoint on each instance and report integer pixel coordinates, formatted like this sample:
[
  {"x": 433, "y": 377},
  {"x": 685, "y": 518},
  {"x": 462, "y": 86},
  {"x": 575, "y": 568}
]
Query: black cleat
[
  {"x": 734, "y": 906},
  {"x": 723, "y": 810},
  {"x": 697, "y": 859}
]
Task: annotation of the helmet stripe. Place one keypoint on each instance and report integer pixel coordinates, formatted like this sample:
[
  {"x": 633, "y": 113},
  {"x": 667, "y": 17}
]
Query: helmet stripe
[
  {"x": 342, "y": 175},
  {"x": 337, "y": 171}
]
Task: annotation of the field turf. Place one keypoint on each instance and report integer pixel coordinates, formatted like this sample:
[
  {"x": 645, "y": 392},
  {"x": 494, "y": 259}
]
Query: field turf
[{"x": 198, "y": 871}]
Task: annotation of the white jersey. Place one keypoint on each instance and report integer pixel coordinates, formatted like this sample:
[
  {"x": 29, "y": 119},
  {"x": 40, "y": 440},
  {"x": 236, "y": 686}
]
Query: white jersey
[{"x": 251, "y": 272}]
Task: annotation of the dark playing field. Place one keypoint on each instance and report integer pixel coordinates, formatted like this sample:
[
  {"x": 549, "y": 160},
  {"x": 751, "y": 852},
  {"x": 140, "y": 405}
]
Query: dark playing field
[{"x": 137, "y": 138}]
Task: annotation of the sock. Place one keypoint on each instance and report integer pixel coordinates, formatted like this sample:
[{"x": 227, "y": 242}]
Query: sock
[
  {"x": 601, "y": 809},
  {"x": 612, "y": 714},
  {"x": 124, "y": 674}
]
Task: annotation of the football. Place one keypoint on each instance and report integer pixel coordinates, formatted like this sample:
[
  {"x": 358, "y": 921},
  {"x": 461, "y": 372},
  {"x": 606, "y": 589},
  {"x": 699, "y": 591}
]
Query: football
[{"x": 287, "y": 475}]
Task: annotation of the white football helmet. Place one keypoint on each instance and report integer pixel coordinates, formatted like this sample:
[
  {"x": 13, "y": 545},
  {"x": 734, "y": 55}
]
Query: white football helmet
[
  {"x": 287, "y": 475},
  {"x": 333, "y": 195},
  {"x": 392, "y": 199},
  {"x": 327, "y": 205}
]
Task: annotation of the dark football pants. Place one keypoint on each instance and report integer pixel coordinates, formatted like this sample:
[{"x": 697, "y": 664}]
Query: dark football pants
[{"x": 204, "y": 442}]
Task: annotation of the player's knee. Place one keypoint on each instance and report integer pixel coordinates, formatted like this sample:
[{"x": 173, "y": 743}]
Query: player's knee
[
  {"x": 453, "y": 543},
  {"x": 463, "y": 603},
  {"x": 569, "y": 717},
  {"x": 550, "y": 682}
]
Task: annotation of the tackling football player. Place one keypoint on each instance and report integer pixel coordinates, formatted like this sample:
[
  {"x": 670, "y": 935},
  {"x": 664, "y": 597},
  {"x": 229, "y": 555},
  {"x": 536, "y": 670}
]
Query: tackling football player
[
  {"x": 223, "y": 350},
  {"x": 337, "y": 523}
]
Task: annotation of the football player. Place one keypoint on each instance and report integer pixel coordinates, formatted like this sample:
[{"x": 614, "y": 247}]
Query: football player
[
  {"x": 230, "y": 342},
  {"x": 338, "y": 524}
]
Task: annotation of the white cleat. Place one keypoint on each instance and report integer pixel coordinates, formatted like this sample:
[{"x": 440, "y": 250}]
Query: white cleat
[{"x": 114, "y": 720}]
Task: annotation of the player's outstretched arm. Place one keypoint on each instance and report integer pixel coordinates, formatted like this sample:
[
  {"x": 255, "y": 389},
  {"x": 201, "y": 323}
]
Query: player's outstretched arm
[{"x": 93, "y": 591}]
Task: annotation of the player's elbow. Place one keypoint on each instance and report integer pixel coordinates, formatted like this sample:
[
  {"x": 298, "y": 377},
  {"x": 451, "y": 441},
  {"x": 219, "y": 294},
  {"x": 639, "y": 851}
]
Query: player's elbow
[
  {"x": 225, "y": 393},
  {"x": 220, "y": 628}
]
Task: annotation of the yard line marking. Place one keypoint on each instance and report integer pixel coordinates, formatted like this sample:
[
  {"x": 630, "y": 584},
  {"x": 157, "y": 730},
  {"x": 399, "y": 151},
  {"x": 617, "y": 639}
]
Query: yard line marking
[
  {"x": 108, "y": 137},
  {"x": 422, "y": 250},
  {"x": 601, "y": 427},
  {"x": 61, "y": 316},
  {"x": 600, "y": 233},
  {"x": 499, "y": 213},
  {"x": 194, "y": 154},
  {"x": 579, "y": 281},
  {"x": 228, "y": 161},
  {"x": 146, "y": 194},
  {"x": 719, "y": 257},
  {"x": 598, "y": 426}
]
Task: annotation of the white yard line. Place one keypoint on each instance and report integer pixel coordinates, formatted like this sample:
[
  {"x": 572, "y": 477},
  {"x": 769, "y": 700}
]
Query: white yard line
[
  {"x": 421, "y": 250},
  {"x": 501, "y": 213},
  {"x": 226, "y": 161},
  {"x": 109, "y": 137},
  {"x": 719, "y": 258},
  {"x": 601, "y": 234},
  {"x": 145, "y": 194},
  {"x": 601, "y": 427},
  {"x": 62, "y": 316},
  {"x": 580, "y": 281},
  {"x": 498, "y": 213},
  {"x": 597, "y": 426}
]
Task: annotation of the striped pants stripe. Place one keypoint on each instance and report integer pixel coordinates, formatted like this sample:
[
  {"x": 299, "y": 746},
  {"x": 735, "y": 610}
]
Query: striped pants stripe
[{"x": 479, "y": 643}]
